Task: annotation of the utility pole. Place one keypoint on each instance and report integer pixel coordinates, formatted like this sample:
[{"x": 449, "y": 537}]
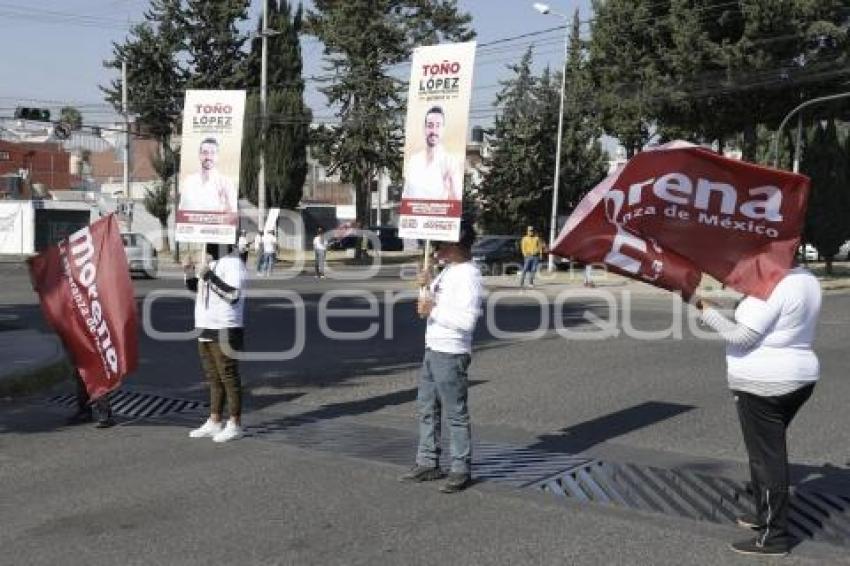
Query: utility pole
[
  {"x": 126, "y": 114},
  {"x": 261, "y": 177}
]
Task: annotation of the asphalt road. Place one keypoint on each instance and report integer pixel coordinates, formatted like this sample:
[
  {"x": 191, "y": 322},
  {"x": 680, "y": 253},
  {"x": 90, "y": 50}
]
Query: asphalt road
[{"x": 143, "y": 492}]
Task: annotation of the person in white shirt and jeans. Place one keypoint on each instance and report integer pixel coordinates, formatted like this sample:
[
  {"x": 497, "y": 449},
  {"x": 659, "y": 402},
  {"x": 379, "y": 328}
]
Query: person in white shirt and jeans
[
  {"x": 452, "y": 307},
  {"x": 320, "y": 249},
  {"x": 219, "y": 282},
  {"x": 772, "y": 370}
]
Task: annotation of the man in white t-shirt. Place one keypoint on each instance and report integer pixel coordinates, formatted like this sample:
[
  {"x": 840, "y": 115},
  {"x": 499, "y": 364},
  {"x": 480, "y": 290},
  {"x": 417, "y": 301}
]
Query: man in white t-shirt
[
  {"x": 319, "y": 249},
  {"x": 433, "y": 174},
  {"x": 452, "y": 305},
  {"x": 219, "y": 281},
  {"x": 208, "y": 190},
  {"x": 772, "y": 370}
]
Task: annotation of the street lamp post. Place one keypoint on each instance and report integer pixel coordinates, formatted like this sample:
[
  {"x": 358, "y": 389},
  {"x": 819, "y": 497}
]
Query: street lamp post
[
  {"x": 778, "y": 133},
  {"x": 264, "y": 64},
  {"x": 553, "y": 221}
]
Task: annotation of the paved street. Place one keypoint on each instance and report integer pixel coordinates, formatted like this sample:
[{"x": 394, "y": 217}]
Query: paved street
[{"x": 145, "y": 493}]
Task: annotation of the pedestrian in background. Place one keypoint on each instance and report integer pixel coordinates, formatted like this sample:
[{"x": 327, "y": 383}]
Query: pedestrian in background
[
  {"x": 269, "y": 253},
  {"x": 452, "y": 306},
  {"x": 242, "y": 246},
  {"x": 320, "y": 249},
  {"x": 532, "y": 248},
  {"x": 772, "y": 371},
  {"x": 218, "y": 281},
  {"x": 258, "y": 249}
]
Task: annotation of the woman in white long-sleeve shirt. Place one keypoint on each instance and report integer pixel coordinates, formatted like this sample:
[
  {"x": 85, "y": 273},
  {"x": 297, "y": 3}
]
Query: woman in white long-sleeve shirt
[{"x": 772, "y": 370}]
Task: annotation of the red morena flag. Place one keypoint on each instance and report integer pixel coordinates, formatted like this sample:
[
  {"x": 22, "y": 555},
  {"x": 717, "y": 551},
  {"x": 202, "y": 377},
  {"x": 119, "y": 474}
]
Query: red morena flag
[
  {"x": 87, "y": 297},
  {"x": 673, "y": 213}
]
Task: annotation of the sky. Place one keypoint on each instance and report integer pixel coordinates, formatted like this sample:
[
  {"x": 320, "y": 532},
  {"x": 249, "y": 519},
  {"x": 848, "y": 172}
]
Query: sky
[{"x": 53, "y": 50}]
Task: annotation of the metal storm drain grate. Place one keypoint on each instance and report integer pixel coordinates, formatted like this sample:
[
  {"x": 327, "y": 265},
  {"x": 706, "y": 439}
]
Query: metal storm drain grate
[
  {"x": 501, "y": 463},
  {"x": 136, "y": 405},
  {"x": 815, "y": 515}
]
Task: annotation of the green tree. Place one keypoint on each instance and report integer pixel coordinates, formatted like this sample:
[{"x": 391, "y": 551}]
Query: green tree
[
  {"x": 288, "y": 127},
  {"x": 155, "y": 78},
  {"x": 214, "y": 43},
  {"x": 518, "y": 187},
  {"x": 625, "y": 69},
  {"x": 71, "y": 116},
  {"x": 583, "y": 162},
  {"x": 158, "y": 200},
  {"x": 825, "y": 161},
  {"x": 362, "y": 41},
  {"x": 513, "y": 189}
]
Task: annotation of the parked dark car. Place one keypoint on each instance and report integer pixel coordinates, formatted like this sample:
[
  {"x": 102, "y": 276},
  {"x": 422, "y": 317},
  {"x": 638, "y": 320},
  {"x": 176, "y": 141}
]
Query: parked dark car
[
  {"x": 387, "y": 237},
  {"x": 495, "y": 255}
]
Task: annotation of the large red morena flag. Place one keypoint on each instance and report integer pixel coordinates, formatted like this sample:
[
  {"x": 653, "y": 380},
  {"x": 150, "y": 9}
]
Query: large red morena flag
[
  {"x": 675, "y": 212},
  {"x": 87, "y": 297}
]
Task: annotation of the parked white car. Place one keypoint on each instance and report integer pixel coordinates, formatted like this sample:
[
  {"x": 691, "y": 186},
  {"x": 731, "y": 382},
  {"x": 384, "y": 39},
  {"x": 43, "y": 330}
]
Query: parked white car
[
  {"x": 843, "y": 252},
  {"x": 808, "y": 252},
  {"x": 141, "y": 255}
]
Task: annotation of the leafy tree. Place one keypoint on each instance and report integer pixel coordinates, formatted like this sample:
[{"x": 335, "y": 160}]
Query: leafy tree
[
  {"x": 362, "y": 41},
  {"x": 287, "y": 129},
  {"x": 826, "y": 163},
  {"x": 583, "y": 162},
  {"x": 518, "y": 186},
  {"x": 625, "y": 69},
  {"x": 512, "y": 191},
  {"x": 71, "y": 116},
  {"x": 155, "y": 78},
  {"x": 214, "y": 43},
  {"x": 158, "y": 200}
]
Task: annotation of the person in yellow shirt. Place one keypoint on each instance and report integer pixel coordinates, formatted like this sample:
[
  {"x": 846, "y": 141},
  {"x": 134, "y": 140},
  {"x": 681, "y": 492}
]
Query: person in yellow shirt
[{"x": 532, "y": 248}]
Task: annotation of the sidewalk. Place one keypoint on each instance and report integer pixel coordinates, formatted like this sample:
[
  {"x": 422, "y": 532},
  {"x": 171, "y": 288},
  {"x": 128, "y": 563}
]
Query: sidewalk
[{"x": 32, "y": 361}]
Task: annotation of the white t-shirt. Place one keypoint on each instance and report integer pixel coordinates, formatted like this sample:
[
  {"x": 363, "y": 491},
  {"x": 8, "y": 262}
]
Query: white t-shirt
[
  {"x": 319, "y": 244},
  {"x": 269, "y": 243},
  {"x": 242, "y": 244},
  {"x": 457, "y": 292},
  {"x": 786, "y": 321},
  {"x": 213, "y": 311},
  {"x": 215, "y": 194},
  {"x": 427, "y": 180}
]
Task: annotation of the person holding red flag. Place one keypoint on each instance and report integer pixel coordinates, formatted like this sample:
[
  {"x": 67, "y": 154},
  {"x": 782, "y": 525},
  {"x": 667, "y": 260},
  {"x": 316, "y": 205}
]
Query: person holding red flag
[{"x": 772, "y": 371}]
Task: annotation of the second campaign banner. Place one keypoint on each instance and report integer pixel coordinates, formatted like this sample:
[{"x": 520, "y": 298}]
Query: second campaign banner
[
  {"x": 435, "y": 141},
  {"x": 209, "y": 166}
]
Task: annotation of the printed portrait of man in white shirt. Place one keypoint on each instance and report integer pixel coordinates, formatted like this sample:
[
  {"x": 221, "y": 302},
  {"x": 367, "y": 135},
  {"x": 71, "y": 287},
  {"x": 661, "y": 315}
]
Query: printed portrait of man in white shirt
[
  {"x": 433, "y": 174},
  {"x": 208, "y": 190}
]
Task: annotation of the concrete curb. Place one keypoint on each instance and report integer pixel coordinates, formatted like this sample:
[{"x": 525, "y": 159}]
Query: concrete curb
[
  {"x": 35, "y": 379},
  {"x": 33, "y": 361}
]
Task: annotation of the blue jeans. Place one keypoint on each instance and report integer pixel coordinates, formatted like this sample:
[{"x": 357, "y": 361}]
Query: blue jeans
[
  {"x": 529, "y": 266},
  {"x": 443, "y": 382},
  {"x": 266, "y": 263},
  {"x": 320, "y": 263}
]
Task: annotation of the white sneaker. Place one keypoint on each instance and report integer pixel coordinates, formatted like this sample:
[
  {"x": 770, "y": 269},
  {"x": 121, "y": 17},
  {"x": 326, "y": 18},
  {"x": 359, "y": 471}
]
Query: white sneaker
[
  {"x": 231, "y": 431},
  {"x": 209, "y": 428}
]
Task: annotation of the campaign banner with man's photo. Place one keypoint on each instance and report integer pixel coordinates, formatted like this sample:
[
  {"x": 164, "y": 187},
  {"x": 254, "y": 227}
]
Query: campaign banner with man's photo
[
  {"x": 675, "y": 212},
  {"x": 211, "y": 149},
  {"x": 86, "y": 295},
  {"x": 435, "y": 141}
]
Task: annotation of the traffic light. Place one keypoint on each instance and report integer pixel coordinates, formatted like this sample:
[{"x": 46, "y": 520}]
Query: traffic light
[{"x": 36, "y": 114}]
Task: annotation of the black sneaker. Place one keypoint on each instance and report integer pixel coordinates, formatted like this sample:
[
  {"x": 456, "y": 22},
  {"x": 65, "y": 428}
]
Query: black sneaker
[
  {"x": 420, "y": 473},
  {"x": 755, "y": 546},
  {"x": 456, "y": 482},
  {"x": 748, "y": 521}
]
